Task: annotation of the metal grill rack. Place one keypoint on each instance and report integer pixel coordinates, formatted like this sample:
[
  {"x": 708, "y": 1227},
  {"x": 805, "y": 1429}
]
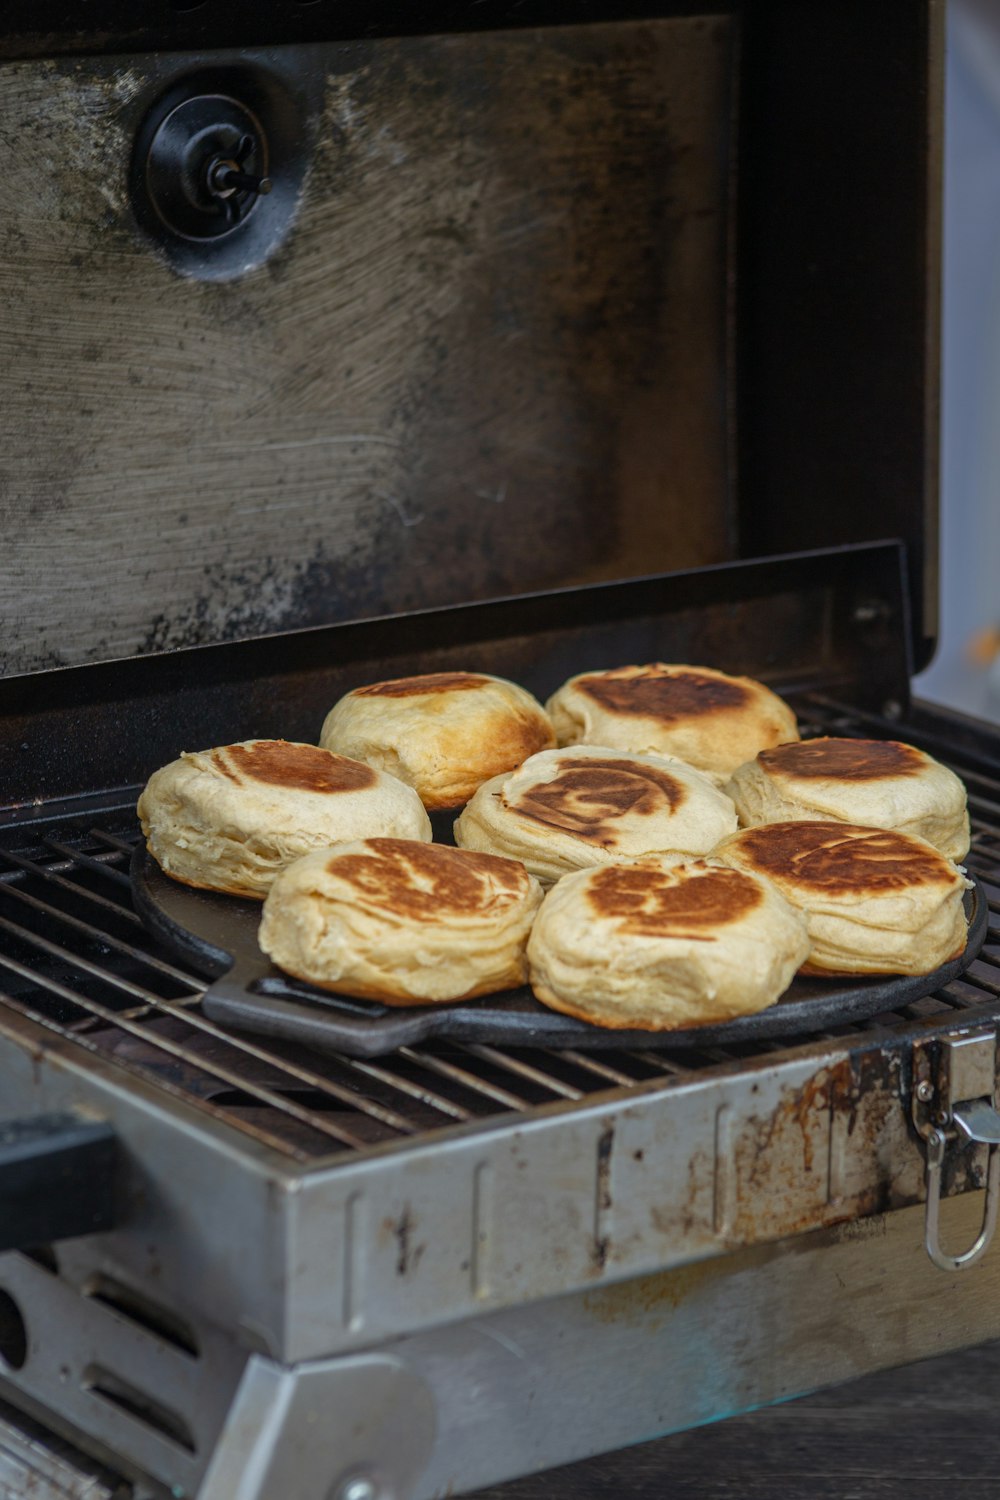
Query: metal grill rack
[{"x": 75, "y": 958}]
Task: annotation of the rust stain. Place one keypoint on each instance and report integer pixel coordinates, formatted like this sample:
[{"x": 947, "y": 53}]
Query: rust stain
[
  {"x": 693, "y": 1215},
  {"x": 602, "y": 1205},
  {"x": 648, "y": 1301},
  {"x": 409, "y": 1254},
  {"x": 807, "y": 1106},
  {"x": 775, "y": 1154}
]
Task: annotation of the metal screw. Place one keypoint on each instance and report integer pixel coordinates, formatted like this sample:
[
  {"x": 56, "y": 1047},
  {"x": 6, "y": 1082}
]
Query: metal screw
[
  {"x": 358, "y": 1488},
  {"x": 226, "y": 178},
  {"x": 925, "y": 1091}
]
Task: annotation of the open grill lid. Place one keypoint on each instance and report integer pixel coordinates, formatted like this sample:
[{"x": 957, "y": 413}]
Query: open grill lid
[{"x": 554, "y": 305}]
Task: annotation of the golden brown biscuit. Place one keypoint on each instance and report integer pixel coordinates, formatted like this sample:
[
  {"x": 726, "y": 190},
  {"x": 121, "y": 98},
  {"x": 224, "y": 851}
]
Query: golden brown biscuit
[
  {"x": 876, "y": 901},
  {"x": 443, "y": 734},
  {"x": 663, "y": 945},
  {"x": 401, "y": 922},
  {"x": 713, "y": 721},
  {"x": 231, "y": 818},
  {"x": 567, "y": 809},
  {"x": 879, "y": 783}
]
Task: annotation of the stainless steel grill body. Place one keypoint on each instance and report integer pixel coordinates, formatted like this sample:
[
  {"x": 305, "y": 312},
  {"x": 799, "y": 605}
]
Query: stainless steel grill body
[
  {"x": 552, "y": 303},
  {"x": 450, "y": 1217}
]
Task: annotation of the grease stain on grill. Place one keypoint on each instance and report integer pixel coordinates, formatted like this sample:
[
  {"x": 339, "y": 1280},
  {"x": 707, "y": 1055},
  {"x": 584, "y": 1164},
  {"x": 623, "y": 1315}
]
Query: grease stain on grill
[
  {"x": 409, "y": 1254},
  {"x": 649, "y": 1302},
  {"x": 602, "y": 1196}
]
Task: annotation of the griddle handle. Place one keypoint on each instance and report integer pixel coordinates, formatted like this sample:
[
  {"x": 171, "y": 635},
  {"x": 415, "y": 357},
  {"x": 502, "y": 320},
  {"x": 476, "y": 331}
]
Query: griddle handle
[{"x": 57, "y": 1179}]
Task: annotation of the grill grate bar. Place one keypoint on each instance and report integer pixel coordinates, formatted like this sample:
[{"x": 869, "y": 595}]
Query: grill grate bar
[
  {"x": 123, "y": 846},
  {"x": 513, "y": 1064},
  {"x": 987, "y": 821},
  {"x": 599, "y": 1068},
  {"x": 81, "y": 1039},
  {"x": 462, "y": 1076},
  {"x": 658, "y": 1060},
  {"x": 383, "y": 1115},
  {"x": 64, "y": 918},
  {"x": 418, "y": 1092},
  {"x": 101, "y": 864},
  {"x": 975, "y": 769},
  {"x": 990, "y": 985},
  {"x": 218, "y": 1070},
  {"x": 55, "y": 950},
  {"x": 53, "y": 877}
]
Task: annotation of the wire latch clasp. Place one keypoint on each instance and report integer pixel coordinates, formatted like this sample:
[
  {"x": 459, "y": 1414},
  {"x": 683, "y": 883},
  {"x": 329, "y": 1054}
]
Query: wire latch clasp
[{"x": 953, "y": 1102}]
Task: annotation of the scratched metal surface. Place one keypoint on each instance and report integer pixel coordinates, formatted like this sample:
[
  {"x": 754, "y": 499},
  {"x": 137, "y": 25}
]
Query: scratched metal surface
[{"x": 490, "y": 356}]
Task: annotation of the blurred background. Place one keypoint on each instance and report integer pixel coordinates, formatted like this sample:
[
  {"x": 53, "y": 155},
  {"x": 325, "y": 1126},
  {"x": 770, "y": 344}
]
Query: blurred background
[{"x": 965, "y": 673}]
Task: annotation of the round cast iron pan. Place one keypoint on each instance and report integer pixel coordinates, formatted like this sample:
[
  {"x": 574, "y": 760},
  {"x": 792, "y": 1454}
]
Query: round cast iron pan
[{"x": 217, "y": 936}]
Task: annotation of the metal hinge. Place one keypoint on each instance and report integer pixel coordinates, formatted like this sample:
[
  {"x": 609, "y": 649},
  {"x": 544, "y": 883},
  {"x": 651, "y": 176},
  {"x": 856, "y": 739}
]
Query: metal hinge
[{"x": 953, "y": 1101}]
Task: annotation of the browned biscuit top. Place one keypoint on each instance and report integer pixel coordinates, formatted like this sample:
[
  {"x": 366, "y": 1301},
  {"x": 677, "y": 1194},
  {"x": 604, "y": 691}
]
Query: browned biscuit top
[
  {"x": 659, "y": 904},
  {"x": 588, "y": 794},
  {"x": 302, "y": 768},
  {"x": 844, "y": 760},
  {"x": 431, "y": 682},
  {"x": 427, "y": 882},
  {"x": 843, "y": 859},
  {"x": 663, "y": 693}
]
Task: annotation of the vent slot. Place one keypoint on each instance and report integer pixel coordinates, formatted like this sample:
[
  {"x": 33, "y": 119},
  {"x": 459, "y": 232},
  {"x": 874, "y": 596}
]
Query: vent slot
[
  {"x": 138, "y": 1308},
  {"x": 13, "y": 1333},
  {"x": 139, "y": 1405}
]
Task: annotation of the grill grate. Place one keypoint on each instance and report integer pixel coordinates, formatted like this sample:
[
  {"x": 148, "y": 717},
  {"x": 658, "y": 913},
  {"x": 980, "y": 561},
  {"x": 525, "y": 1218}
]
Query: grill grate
[{"x": 75, "y": 958}]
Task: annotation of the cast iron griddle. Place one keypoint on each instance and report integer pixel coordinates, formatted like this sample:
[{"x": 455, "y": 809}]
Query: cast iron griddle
[{"x": 217, "y": 935}]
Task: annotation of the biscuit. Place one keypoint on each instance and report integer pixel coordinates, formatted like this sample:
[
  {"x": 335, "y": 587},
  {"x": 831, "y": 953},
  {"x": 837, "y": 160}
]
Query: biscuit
[
  {"x": 401, "y": 922},
  {"x": 711, "y": 720},
  {"x": 231, "y": 818},
  {"x": 878, "y": 783},
  {"x": 568, "y": 809},
  {"x": 876, "y": 901},
  {"x": 662, "y": 946},
  {"x": 443, "y": 734}
]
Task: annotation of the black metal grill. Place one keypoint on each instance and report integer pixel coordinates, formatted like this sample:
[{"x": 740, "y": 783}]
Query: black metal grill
[{"x": 75, "y": 958}]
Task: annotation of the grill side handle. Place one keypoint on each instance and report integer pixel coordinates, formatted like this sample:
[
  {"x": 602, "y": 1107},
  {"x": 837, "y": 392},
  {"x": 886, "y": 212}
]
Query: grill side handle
[
  {"x": 58, "y": 1176},
  {"x": 954, "y": 1103}
]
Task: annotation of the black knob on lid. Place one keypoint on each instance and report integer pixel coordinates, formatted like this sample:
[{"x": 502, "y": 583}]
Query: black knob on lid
[
  {"x": 206, "y": 166},
  {"x": 219, "y": 162}
]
